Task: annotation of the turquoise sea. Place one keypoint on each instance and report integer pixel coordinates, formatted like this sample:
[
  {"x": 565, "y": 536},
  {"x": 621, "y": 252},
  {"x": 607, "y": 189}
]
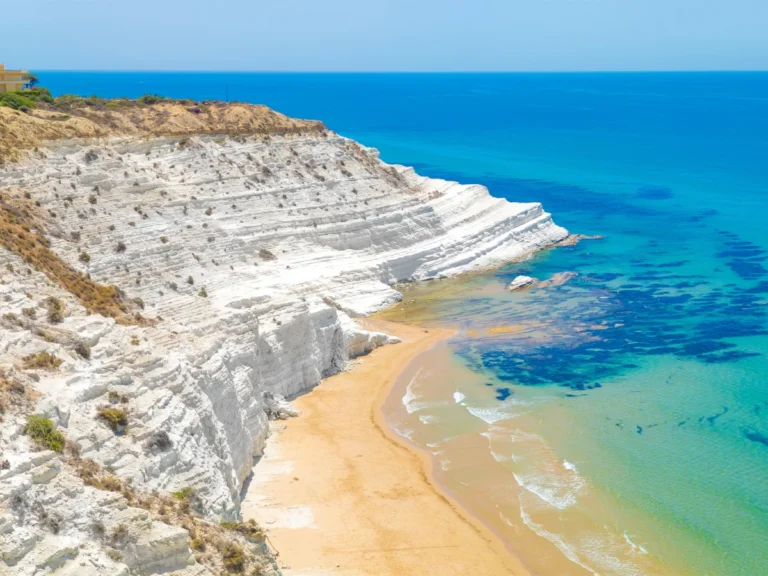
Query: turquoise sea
[{"x": 632, "y": 408}]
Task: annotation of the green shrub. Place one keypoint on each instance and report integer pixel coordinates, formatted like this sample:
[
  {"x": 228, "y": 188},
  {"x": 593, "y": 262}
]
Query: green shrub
[
  {"x": 151, "y": 99},
  {"x": 43, "y": 432},
  {"x": 184, "y": 493},
  {"x": 66, "y": 100},
  {"x": 15, "y": 100},
  {"x": 38, "y": 95},
  {"x": 114, "y": 417}
]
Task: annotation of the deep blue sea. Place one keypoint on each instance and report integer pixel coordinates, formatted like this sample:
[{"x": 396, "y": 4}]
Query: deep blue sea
[{"x": 645, "y": 377}]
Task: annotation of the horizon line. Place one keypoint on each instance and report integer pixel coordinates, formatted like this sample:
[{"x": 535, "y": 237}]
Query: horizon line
[{"x": 373, "y": 72}]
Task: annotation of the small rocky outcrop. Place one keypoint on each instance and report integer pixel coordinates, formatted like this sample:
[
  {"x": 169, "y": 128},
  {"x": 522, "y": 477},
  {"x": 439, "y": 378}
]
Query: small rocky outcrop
[
  {"x": 526, "y": 282},
  {"x": 278, "y": 408},
  {"x": 522, "y": 283}
]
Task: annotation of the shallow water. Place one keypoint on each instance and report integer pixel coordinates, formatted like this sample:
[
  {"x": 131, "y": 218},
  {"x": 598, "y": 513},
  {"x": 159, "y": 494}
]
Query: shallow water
[{"x": 619, "y": 420}]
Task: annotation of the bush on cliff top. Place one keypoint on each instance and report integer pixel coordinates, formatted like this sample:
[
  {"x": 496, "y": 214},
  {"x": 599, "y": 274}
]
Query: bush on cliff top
[
  {"x": 25, "y": 98},
  {"x": 151, "y": 99},
  {"x": 15, "y": 101}
]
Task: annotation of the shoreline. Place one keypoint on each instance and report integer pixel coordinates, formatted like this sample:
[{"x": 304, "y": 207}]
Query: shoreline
[{"x": 375, "y": 511}]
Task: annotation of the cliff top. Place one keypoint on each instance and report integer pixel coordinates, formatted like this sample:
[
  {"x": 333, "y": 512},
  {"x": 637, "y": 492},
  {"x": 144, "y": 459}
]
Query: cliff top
[{"x": 26, "y": 121}]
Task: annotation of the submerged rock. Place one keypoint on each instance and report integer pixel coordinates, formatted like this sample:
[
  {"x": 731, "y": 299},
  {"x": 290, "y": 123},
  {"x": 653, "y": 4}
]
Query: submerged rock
[
  {"x": 526, "y": 282},
  {"x": 522, "y": 283},
  {"x": 557, "y": 279}
]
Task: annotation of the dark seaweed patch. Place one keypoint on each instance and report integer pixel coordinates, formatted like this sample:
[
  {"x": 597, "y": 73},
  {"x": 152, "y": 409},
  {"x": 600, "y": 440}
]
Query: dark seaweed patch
[
  {"x": 640, "y": 305},
  {"x": 756, "y": 437}
]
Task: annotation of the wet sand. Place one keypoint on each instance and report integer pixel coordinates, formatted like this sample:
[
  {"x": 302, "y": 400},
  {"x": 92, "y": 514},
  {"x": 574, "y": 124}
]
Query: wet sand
[{"x": 339, "y": 493}]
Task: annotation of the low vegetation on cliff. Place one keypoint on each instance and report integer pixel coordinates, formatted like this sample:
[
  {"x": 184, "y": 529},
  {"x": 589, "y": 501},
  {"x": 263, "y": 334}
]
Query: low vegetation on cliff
[{"x": 29, "y": 117}]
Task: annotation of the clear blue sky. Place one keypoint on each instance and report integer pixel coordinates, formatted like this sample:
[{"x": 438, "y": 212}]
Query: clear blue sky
[{"x": 402, "y": 35}]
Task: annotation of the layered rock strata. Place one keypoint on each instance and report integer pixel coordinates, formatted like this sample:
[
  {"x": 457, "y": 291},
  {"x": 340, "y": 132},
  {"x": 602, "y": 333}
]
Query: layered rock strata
[{"x": 245, "y": 259}]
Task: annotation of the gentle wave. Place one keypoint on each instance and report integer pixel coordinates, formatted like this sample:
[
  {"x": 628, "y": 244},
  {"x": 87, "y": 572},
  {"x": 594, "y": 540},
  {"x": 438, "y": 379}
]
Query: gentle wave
[
  {"x": 410, "y": 397},
  {"x": 555, "y": 491},
  {"x": 428, "y": 418},
  {"x": 569, "y": 466},
  {"x": 501, "y": 458},
  {"x": 595, "y": 550},
  {"x": 569, "y": 551},
  {"x": 458, "y": 397},
  {"x": 490, "y": 415},
  {"x": 635, "y": 546}
]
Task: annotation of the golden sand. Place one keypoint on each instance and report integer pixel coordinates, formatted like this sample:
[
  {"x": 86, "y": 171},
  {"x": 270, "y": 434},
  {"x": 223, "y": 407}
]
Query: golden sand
[{"x": 347, "y": 496}]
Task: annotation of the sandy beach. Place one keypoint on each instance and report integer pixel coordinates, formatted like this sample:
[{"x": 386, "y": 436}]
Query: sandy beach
[{"x": 339, "y": 493}]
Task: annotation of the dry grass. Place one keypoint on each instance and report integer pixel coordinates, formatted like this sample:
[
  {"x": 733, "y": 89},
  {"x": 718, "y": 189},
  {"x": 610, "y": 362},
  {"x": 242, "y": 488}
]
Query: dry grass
[
  {"x": 96, "y": 117},
  {"x": 41, "y": 361},
  {"x": 225, "y": 548},
  {"x": 15, "y": 397},
  {"x": 19, "y": 234}
]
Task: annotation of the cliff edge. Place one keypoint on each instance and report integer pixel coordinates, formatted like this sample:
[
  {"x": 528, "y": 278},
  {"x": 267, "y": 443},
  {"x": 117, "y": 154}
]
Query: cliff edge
[{"x": 169, "y": 272}]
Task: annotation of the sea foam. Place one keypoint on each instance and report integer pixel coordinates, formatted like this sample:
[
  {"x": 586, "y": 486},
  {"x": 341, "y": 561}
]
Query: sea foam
[
  {"x": 556, "y": 491},
  {"x": 569, "y": 551},
  {"x": 489, "y": 415}
]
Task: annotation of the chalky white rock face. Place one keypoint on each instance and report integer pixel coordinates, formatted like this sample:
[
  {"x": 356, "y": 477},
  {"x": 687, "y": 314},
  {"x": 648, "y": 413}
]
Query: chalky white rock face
[{"x": 253, "y": 255}]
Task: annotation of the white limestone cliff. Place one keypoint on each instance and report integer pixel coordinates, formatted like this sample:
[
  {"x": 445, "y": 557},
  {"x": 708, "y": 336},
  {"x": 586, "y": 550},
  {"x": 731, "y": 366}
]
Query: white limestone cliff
[{"x": 253, "y": 255}]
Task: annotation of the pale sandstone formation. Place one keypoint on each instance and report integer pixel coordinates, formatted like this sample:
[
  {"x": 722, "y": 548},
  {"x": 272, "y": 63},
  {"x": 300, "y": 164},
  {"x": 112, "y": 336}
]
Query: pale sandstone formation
[
  {"x": 252, "y": 255},
  {"x": 526, "y": 282},
  {"x": 522, "y": 283}
]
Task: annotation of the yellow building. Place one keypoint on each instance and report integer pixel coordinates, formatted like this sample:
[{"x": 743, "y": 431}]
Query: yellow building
[{"x": 11, "y": 80}]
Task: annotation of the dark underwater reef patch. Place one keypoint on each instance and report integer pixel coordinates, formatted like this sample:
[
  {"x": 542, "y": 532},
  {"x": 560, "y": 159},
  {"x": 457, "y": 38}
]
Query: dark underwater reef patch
[
  {"x": 652, "y": 303},
  {"x": 700, "y": 216},
  {"x": 756, "y": 437},
  {"x": 744, "y": 258},
  {"x": 658, "y": 313}
]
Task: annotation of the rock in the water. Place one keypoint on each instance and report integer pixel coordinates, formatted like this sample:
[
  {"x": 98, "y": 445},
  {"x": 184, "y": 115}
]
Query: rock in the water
[
  {"x": 557, "y": 279},
  {"x": 522, "y": 283}
]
